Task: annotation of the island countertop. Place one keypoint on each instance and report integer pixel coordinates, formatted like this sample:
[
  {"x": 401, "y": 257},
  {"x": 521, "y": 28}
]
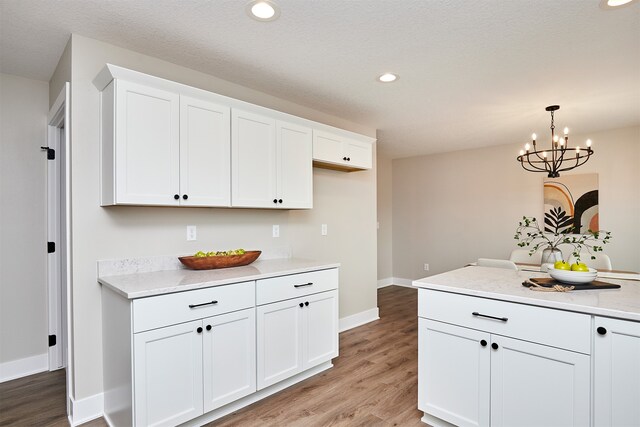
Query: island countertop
[
  {"x": 506, "y": 285},
  {"x": 139, "y": 285}
]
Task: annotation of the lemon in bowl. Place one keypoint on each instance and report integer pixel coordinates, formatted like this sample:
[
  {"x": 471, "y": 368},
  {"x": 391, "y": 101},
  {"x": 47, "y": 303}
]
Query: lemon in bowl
[{"x": 573, "y": 277}]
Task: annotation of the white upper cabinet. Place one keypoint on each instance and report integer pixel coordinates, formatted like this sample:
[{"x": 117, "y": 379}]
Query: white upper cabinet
[
  {"x": 294, "y": 165},
  {"x": 205, "y": 153},
  {"x": 334, "y": 151},
  {"x": 167, "y": 144},
  {"x": 145, "y": 145},
  {"x": 161, "y": 148},
  {"x": 271, "y": 162}
]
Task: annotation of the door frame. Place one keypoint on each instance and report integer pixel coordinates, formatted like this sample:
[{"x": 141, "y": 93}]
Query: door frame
[{"x": 59, "y": 231}]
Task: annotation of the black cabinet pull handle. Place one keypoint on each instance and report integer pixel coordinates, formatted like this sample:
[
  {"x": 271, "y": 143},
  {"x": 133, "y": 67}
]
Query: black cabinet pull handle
[
  {"x": 185, "y": 197},
  {"x": 344, "y": 158},
  {"x": 279, "y": 200},
  {"x": 494, "y": 346},
  {"x": 175, "y": 196},
  {"x": 301, "y": 305},
  {"x": 348, "y": 159},
  {"x": 302, "y": 285},
  {"x": 502, "y": 319},
  {"x": 204, "y": 303},
  {"x": 208, "y": 327},
  {"x": 199, "y": 330},
  {"x": 306, "y": 303},
  {"x": 601, "y": 330},
  {"x": 275, "y": 200},
  {"x": 483, "y": 343}
]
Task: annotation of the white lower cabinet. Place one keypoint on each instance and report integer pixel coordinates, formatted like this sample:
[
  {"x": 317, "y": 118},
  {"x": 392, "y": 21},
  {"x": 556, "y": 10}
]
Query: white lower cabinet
[
  {"x": 616, "y": 373},
  {"x": 191, "y": 357},
  {"x": 182, "y": 371},
  {"x": 497, "y": 369},
  {"x": 295, "y": 335}
]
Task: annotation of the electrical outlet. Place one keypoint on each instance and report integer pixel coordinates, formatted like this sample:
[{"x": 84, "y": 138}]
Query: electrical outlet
[
  {"x": 191, "y": 232},
  {"x": 426, "y": 267},
  {"x": 323, "y": 229},
  {"x": 276, "y": 231}
]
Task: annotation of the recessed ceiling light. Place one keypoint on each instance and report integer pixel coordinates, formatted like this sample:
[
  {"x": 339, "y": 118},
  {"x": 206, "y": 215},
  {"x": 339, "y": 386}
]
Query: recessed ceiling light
[
  {"x": 614, "y": 4},
  {"x": 263, "y": 10},
  {"x": 388, "y": 78}
]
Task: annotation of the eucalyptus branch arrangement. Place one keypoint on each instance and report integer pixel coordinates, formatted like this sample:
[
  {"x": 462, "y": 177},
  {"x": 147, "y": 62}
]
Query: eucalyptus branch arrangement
[{"x": 559, "y": 232}]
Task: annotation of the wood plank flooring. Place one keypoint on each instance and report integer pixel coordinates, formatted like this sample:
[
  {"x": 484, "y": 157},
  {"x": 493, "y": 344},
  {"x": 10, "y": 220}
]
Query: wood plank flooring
[{"x": 373, "y": 382}]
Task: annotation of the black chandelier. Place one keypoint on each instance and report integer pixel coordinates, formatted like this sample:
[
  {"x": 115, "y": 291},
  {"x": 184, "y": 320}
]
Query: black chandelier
[{"x": 551, "y": 161}]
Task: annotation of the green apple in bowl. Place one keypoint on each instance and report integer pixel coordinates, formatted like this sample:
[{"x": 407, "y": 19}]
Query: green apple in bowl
[
  {"x": 561, "y": 265},
  {"x": 579, "y": 266}
]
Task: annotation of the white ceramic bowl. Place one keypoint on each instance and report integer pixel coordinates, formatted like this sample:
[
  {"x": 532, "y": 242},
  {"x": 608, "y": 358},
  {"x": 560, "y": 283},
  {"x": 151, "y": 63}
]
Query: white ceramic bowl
[{"x": 573, "y": 277}]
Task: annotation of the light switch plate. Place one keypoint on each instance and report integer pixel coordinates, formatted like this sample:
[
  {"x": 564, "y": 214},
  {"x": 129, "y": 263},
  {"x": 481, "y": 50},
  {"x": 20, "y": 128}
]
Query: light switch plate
[
  {"x": 276, "y": 231},
  {"x": 323, "y": 229}
]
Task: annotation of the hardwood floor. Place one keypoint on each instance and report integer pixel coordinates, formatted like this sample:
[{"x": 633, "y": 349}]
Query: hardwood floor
[{"x": 374, "y": 382}]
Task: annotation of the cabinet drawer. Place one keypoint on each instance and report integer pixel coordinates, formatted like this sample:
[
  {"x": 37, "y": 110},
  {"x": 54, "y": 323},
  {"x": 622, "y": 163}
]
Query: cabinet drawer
[
  {"x": 562, "y": 329},
  {"x": 295, "y": 285},
  {"x": 163, "y": 310}
]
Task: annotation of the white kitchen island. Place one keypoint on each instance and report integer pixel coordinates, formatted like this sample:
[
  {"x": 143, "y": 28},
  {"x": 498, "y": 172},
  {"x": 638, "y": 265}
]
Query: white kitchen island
[
  {"x": 495, "y": 353},
  {"x": 187, "y": 347}
]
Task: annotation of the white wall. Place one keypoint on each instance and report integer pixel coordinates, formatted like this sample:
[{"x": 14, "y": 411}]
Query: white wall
[
  {"x": 344, "y": 201},
  {"x": 452, "y": 208},
  {"x": 23, "y": 304},
  {"x": 385, "y": 217}
]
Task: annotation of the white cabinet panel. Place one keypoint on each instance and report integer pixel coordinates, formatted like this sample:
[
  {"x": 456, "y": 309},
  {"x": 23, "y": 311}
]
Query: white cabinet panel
[
  {"x": 253, "y": 151},
  {"x": 271, "y": 163},
  {"x": 168, "y": 375},
  {"x": 229, "y": 358},
  {"x": 146, "y": 144},
  {"x": 338, "y": 152},
  {"x": 536, "y": 385},
  {"x": 295, "y": 168},
  {"x": 320, "y": 328},
  {"x": 205, "y": 153},
  {"x": 279, "y": 341},
  {"x": 453, "y": 369},
  {"x": 616, "y": 373}
]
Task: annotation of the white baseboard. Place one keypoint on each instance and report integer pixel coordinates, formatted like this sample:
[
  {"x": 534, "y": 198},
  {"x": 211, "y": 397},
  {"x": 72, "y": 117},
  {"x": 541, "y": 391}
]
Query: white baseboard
[
  {"x": 22, "y": 367},
  {"x": 397, "y": 281},
  {"x": 87, "y": 409},
  {"x": 358, "y": 319}
]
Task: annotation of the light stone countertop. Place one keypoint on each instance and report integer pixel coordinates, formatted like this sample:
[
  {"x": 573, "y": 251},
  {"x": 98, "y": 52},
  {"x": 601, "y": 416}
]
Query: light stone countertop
[
  {"x": 139, "y": 285},
  {"x": 506, "y": 285}
]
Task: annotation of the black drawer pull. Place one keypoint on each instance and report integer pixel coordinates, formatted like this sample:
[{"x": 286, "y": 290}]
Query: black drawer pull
[
  {"x": 303, "y": 285},
  {"x": 483, "y": 343},
  {"x": 502, "y": 319},
  {"x": 601, "y": 330},
  {"x": 204, "y": 303}
]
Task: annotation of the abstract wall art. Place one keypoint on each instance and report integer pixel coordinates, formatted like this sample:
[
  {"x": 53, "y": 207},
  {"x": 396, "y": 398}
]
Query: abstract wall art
[{"x": 571, "y": 201}]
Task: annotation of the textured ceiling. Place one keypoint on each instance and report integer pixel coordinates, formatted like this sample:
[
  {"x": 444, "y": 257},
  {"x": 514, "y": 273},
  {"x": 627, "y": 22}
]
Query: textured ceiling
[{"x": 472, "y": 73}]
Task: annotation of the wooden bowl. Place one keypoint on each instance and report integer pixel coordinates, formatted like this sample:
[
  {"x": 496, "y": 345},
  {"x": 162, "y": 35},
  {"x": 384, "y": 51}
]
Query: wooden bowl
[{"x": 225, "y": 261}]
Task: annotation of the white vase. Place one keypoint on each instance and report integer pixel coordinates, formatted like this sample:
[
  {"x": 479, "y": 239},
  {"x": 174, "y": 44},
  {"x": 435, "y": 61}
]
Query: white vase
[{"x": 549, "y": 255}]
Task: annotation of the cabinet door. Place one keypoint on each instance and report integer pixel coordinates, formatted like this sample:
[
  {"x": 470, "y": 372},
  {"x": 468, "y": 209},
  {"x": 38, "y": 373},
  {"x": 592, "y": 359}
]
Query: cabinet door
[
  {"x": 617, "y": 373},
  {"x": 205, "y": 153},
  {"x": 327, "y": 147},
  {"x": 253, "y": 150},
  {"x": 168, "y": 375},
  {"x": 536, "y": 385},
  {"x": 229, "y": 357},
  {"x": 320, "y": 328},
  {"x": 294, "y": 166},
  {"x": 453, "y": 373},
  {"x": 360, "y": 154},
  {"x": 279, "y": 341},
  {"x": 147, "y": 145}
]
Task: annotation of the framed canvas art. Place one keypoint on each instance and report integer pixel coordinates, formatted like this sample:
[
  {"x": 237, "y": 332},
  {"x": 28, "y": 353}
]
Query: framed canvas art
[{"x": 571, "y": 201}]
